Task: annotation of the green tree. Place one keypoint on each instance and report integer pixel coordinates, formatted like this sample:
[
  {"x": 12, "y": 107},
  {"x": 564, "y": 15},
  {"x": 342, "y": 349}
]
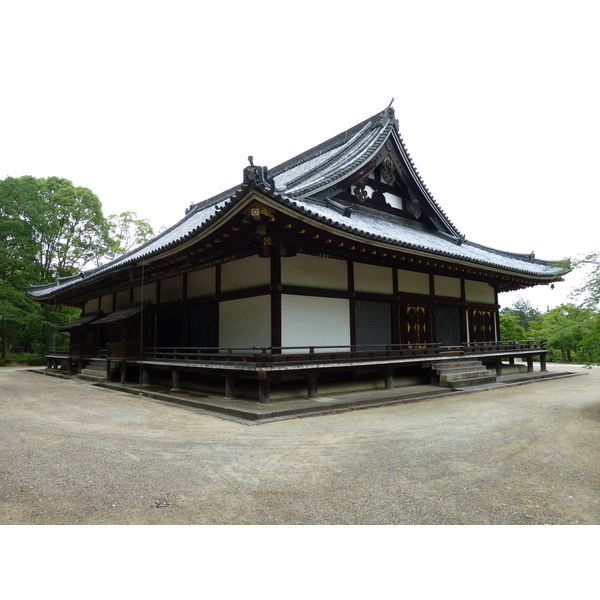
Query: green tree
[
  {"x": 74, "y": 232},
  {"x": 589, "y": 292},
  {"x": 510, "y": 328},
  {"x": 126, "y": 231},
  {"x": 590, "y": 345},
  {"x": 48, "y": 228},
  {"x": 565, "y": 327},
  {"x": 523, "y": 310}
]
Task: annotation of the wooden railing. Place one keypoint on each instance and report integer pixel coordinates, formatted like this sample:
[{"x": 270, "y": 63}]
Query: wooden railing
[
  {"x": 59, "y": 351},
  {"x": 289, "y": 354},
  {"x": 504, "y": 346}
]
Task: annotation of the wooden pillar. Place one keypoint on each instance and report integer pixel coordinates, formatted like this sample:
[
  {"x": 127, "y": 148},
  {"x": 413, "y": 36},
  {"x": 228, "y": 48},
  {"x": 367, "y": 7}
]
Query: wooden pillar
[
  {"x": 312, "y": 385},
  {"x": 107, "y": 370},
  {"x": 145, "y": 375},
  {"x": 498, "y": 366},
  {"x": 229, "y": 387},
  {"x": 175, "y": 383},
  {"x": 530, "y": 363},
  {"x": 543, "y": 362},
  {"x": 123, "y": 371},
  {"x": 276, "y": 302},
  {"x": 264, "y": 388},
  {"x": 389, "y": 377}
]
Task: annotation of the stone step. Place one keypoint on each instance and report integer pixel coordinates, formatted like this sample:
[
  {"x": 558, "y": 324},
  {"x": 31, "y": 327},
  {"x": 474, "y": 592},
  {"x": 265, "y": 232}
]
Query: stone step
[
  {"x": 462, "y": 383},
  {"x": 456, "y": 365},
  {"x": 87, "y": 377},
  {"x": 100, "y": 368},
  {"x": 457, "y": 374},
  {"x": 465, "y": 369},
  {"x": 467, "y": 374},
  {"x": 93, "y": 372}
]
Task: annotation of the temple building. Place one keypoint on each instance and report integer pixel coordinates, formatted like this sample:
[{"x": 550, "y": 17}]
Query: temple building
[{"x": 333, "y": 267}]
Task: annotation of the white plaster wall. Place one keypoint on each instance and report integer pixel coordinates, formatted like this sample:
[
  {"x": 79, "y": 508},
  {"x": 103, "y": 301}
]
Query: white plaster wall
[
  {"x": 447, "y": 286},
  {"x": 245, "y": 322},
  {"x": 313, "y": 321},
  {"x": 149, "y": 293},
  {"x": 122, "y": 298},
  {"x": 479, "y": 291},
  {"x": 106, "y": 303},
  {"x": 412, "y": 282},
  {"x": 371, "y": 278},
  {"x": 245, "y": 273},
  {"x": 314, "y": 271},
  {"x": 91, "y": 306},
  {"x": 171, "y": 289},
  {"x": 393, "y": 200},
  {"x": 201, "y": 283}
]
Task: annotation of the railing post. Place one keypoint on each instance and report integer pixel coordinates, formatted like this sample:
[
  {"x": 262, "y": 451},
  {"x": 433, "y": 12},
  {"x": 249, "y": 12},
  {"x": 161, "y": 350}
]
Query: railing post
[
  {"x": 229, "y": 387},
  {"x": 175, "y": 383},
  {"x": 264, "y": 388},
  {"x": 498, "y": 366},
  {"x": 312, "y": 384},
  {"x": 389, "y": 377},
  {"x": 529, "y": 363}
]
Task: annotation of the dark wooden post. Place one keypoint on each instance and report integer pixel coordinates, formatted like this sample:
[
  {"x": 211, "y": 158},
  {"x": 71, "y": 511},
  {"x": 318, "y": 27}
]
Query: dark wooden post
[
  {"x": 543, "y": 362},
  {"x": 498, "y": 366},
  {"x": 229, "y": 386},
  {"x": 264, "y": 388},
  {"x": 389, "y": 377},
  {"x": 530, "y": 363},
  {"x": 175, "y": 383},
  {"x": 123, "y": 372},
  {"x": 311, "y": 382}
]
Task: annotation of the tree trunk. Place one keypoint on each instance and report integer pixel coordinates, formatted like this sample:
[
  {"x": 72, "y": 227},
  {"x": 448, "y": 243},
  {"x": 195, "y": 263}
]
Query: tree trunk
[{"x": 4, "y": 338}]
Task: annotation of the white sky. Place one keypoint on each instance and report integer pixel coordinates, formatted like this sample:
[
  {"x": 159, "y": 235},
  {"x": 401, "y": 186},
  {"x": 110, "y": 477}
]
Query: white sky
[{"x": 156, "y": 105}]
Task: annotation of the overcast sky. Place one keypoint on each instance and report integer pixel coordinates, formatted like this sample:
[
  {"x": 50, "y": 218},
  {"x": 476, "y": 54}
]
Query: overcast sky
[{"x": 157, "y": 105}]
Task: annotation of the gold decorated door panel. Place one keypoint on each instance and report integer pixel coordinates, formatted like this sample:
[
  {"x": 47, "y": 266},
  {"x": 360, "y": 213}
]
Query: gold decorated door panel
[
  {"x": 482, "y": 325},
  {"x": 416, "y": 325}
]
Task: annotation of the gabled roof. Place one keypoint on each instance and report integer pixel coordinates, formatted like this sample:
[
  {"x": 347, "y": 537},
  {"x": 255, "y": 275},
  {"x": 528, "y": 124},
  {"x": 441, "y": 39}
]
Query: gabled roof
[{"x": 309, "y": 186}]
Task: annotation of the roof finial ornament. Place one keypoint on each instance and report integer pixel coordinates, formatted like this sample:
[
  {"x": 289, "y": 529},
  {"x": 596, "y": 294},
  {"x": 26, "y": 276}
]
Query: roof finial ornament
[
  {"x": 251, "y": 160},
  {"x": 389, "y": 113}
]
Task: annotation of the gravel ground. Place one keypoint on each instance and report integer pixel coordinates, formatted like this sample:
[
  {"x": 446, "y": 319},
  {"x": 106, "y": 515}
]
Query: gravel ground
[{"x": 71, "y": 453}]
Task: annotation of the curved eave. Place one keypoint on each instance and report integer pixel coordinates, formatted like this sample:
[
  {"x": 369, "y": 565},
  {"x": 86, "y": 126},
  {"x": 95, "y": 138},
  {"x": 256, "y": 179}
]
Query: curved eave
[
  {"x": 168, "y": 240},
  {"x": 428, "y": 252}
]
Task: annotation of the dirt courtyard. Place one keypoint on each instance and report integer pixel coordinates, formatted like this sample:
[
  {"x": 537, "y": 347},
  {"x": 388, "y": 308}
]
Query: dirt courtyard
[{"x": 72, "y": 453}]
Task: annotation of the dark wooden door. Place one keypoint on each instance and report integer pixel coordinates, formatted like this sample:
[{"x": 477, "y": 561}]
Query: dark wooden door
[
  {"x": 448, "y": 324},
  {"x": 373, "y": 320}
]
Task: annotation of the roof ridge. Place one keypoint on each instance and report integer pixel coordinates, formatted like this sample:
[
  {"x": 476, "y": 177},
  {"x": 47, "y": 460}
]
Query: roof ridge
[{"x": 330, "y": 144}]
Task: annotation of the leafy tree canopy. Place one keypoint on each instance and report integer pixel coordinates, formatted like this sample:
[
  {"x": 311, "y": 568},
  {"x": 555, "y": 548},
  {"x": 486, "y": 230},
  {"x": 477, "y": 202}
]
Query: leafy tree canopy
[
  {"x": 565, "y": 328},
  {"x": 127, "y": 231},
  {"x": 523, "y": 311},
  {"x": 51, "y": 228}
]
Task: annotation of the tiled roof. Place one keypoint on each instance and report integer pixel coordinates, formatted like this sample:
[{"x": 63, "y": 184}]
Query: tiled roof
[{"x": 296, "y": 183}]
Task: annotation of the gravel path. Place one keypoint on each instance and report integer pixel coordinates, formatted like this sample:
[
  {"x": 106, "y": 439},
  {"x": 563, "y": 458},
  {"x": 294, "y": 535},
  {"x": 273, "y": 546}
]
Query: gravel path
[{"x": 71, "y": 453}]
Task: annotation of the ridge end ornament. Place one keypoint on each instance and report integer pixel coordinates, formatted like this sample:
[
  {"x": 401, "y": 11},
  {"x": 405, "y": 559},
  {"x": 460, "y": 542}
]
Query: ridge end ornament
[
  {"x": 360, "y": 192},
  {"x": 415, "y": 208},
  {"x": 388, "y": 172}
]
